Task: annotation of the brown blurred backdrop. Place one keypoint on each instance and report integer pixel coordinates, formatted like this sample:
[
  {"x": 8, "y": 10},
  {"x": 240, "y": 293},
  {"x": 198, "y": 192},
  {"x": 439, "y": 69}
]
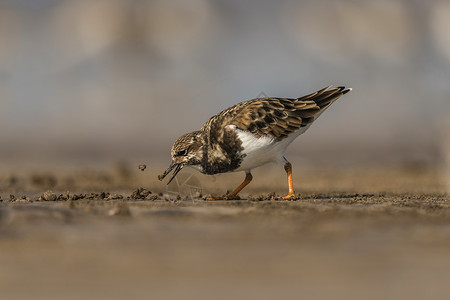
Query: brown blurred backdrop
[{"x": 102, "y": 80}]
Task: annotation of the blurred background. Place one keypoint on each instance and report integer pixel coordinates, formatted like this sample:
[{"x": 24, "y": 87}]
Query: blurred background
[
  {"x": 94, "y": 85},
  {"x": 95, "y": 81}
]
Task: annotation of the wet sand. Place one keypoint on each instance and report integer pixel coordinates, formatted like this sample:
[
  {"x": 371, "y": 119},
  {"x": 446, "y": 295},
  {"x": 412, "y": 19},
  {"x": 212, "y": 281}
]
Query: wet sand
[{"x": 373, "y": 233}]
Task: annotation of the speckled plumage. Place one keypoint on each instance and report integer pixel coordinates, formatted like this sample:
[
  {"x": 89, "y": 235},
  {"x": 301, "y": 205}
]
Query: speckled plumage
[{"x": 237, "y": 134}]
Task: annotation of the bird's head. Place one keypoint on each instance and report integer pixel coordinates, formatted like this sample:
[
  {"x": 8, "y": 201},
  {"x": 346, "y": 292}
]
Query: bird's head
[{"x": 186, "y": 151}]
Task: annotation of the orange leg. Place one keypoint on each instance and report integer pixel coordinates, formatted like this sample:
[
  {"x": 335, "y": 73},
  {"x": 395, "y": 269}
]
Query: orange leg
[
  {"x": 248, "y": 178},
  {"x": 288, "y": 169}
]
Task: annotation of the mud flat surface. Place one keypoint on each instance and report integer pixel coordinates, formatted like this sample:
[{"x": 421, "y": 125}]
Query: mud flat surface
[{"x": 352, "y": 234}]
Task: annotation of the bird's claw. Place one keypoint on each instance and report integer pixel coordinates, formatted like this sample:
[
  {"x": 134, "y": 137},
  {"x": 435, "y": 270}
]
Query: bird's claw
[{"x": 290, "y": 196}]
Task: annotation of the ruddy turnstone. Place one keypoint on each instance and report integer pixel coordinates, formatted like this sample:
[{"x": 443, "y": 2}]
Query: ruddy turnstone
[{"x": 250, "y": 134}]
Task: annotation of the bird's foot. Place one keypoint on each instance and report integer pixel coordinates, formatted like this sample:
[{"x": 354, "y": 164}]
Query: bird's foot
[{"x": 290, "y": 196}]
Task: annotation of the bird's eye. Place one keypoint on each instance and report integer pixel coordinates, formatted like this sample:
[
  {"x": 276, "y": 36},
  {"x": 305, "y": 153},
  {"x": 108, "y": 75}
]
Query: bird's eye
[{"x": 181, "y": 153}]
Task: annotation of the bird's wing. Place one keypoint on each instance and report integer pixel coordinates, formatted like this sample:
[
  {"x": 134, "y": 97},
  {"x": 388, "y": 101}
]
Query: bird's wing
[{"x": 278, "y": 117}]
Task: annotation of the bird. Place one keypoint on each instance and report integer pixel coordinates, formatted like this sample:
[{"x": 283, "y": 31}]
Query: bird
[{"x": 248, "y": 135}]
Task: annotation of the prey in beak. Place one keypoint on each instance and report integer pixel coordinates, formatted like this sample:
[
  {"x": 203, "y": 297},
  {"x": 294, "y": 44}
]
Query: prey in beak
[{"x": 173, "y": 165}]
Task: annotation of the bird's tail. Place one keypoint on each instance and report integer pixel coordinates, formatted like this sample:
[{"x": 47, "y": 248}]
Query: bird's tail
[{"x": 324, "y": 97}]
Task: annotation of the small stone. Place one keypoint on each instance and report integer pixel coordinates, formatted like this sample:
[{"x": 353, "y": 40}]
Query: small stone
[
  {"x": 256, "y": 198},
  {"x": 114, "y": 196},
  {"x": 48, "y": 196},
  {"x": 153, "y": 197},
  {"x": 140, "y": 194},
  {"x": 272, "y": 196},
  {"x": 24, "y": 199},
  {"x": 142, "y": 167},
  {"x": 77, "y": 196},
  {"x": 63, "y": 197}
]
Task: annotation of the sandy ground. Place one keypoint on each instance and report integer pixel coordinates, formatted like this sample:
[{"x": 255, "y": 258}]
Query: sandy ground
[{"x": 367, "y": 233}]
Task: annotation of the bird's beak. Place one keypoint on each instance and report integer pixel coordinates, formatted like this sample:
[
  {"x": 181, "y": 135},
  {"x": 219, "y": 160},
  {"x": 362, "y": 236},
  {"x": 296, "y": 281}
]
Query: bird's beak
[{"x": 173, "y": 165}]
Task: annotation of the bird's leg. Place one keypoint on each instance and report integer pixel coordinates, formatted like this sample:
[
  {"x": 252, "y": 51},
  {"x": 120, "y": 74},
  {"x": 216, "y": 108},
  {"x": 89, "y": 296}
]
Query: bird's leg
[
  {"x": 248, "y": 178},
  {"x": 288, "y": 169},
  {"x": 232, "y": 196}
]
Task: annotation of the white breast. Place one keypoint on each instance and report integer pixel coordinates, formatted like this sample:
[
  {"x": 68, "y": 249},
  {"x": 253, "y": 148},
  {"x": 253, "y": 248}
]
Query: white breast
[{"x": 261, "y": 150}]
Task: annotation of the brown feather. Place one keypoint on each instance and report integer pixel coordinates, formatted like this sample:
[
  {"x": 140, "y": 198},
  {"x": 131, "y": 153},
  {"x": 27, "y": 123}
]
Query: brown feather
[{"x": 277, "y": 117}]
